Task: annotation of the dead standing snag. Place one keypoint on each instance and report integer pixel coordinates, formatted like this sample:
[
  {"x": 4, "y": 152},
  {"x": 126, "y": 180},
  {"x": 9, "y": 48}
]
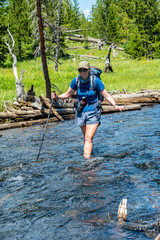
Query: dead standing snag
[
  {"x": 19, "y": 85},
  {"x": 43, "y": 51},
  {"x": 108, "y": 67}
]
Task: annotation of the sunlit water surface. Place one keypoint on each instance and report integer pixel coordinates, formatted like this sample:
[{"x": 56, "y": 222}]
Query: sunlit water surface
[{"x": 63, "y": 196}]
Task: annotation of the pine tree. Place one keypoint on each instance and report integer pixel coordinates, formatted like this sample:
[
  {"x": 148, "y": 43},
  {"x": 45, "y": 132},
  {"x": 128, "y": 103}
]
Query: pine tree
[
  {"x": 112, "y": 23},
  {"x": 75, "y": 16},
  {"x": 66, "y": 14},
  {"x": 19, "y": 25},
  {"x": 3, "y": 31},
  {"x": 139, "y": 26},
  {"x": 99, "y": 20},
  {"x": 127, "y": 7},
  {"x": 85, "y": 25},
  {"x": 146, "y": 17}
]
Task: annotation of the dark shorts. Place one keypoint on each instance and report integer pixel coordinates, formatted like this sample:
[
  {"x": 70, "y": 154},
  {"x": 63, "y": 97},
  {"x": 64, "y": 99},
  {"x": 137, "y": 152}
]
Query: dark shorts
[{"x": 91, "y": 117}]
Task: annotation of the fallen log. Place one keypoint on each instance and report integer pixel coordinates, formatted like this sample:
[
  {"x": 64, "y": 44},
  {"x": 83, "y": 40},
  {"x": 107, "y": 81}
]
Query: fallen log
[
  {"x": 143, "y": 101},
  {"x": 26, "y": 108},
  {"x": 25, "y": 123},
  {"x": 89, "y": 47},
  {"x": 24, "y": 115},
  {"x": 73, "y": 48},
  {"x": 86, "y": 56},
  {"x": 62, "y": 104},
  {"x": 6, "y": 126},
  {"x": 110, "y": 109},
  {"x": 28, "y": 116},
  {"x": 64, "y": 111},
  {"x": 46, "y": 103},
  {"x": 76, "y": 30},
  {"x": 82, "y": 39},
  {"x": 4, "y": 115},
  {"x": 151, "y": 94},
  {"x": 140, "y": 100},
  {"x": 67, "y": 113},
  {"x": 106, "y": 109}
]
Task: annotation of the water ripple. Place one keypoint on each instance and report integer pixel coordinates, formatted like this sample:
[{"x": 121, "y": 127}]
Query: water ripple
[{"x": 63, "y": 196}]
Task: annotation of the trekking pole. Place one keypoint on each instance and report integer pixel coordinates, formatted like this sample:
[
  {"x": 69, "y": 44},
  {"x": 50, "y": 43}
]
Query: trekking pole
[{"x": 45, "y": 129}]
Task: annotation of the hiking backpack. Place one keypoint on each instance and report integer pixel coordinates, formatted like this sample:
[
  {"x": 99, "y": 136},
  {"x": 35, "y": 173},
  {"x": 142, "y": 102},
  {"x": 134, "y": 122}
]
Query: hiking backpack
[{"x": 94, "y": 72}]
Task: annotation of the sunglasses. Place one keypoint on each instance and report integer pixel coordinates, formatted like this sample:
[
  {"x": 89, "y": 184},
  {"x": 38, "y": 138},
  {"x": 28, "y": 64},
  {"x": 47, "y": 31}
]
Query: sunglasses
[{"x": 82, "y": 70}]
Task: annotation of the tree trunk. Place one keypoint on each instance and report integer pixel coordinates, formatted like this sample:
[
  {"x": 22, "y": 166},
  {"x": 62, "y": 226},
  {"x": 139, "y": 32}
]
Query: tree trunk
[
  {"x": 43, "y": 51},
  {"x": 58, "y": 35}
]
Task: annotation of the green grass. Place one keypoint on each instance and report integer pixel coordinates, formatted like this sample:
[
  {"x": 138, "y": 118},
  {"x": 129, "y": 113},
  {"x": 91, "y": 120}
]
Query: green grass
[{"x": 133, "y": 75}]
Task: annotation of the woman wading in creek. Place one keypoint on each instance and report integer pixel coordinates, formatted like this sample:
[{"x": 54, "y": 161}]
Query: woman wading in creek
[{"x": 88, "y": 106}]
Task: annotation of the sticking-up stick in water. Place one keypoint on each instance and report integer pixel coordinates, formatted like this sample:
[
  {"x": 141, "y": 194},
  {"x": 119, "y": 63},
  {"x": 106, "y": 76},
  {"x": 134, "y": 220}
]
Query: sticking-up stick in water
[{"x": 122, "y": 210}]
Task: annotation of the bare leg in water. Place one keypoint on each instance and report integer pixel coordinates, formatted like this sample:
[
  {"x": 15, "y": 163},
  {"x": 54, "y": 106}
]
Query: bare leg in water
[{"x": 89, "y": 132}]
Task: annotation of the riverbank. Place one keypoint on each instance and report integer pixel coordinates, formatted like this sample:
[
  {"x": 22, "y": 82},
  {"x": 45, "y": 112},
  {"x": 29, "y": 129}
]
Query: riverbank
[
  {"x": 27, "y": 115},
  {"x": 133, "y": 75}
]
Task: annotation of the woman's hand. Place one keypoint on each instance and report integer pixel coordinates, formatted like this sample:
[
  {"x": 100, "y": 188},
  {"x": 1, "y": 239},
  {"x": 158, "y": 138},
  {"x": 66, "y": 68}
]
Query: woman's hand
[
  {"x": 120, "y": 108},
  {"x": 54, "y": 96}
]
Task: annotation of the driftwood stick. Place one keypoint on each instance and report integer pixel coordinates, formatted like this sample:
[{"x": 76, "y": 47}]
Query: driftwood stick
[{"x": 122, "y": 210}]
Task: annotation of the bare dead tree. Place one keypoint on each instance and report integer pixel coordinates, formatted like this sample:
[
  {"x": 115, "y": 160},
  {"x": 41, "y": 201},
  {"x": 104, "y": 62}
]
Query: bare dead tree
[
  {"x": 108, "y": 68},
  {"x": 19, "y": 85},
  {"x": 43, "y": 51},
  {"x": 58, "y": 35}
]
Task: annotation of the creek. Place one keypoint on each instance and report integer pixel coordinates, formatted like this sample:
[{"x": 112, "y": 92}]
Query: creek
[{"x": 63, "y": 196}]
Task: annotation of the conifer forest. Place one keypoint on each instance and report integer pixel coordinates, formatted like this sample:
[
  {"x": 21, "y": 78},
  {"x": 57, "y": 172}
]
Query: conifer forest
[{"x": 133, "y": 25}]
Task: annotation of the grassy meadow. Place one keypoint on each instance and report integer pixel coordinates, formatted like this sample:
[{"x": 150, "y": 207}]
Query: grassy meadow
[{"x": 133, "y": 75}]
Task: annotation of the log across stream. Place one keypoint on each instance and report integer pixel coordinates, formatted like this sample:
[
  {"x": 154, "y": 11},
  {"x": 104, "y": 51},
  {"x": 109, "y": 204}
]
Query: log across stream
[{"x": 63, "y": 110}]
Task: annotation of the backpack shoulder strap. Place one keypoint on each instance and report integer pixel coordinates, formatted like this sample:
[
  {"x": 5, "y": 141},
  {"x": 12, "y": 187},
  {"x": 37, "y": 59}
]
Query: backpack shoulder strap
[
  {"x": 92, "y": 82},
  {"x": 77, "y": 82}
]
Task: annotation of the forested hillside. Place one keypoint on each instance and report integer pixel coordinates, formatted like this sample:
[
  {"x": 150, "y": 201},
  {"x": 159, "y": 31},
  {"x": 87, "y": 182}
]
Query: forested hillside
[{"x": 131, "y": 24}]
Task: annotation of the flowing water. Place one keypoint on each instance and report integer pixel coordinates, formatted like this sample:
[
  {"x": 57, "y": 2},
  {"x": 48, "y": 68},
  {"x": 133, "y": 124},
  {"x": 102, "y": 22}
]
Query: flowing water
[{"x": 63, "y": 196}]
